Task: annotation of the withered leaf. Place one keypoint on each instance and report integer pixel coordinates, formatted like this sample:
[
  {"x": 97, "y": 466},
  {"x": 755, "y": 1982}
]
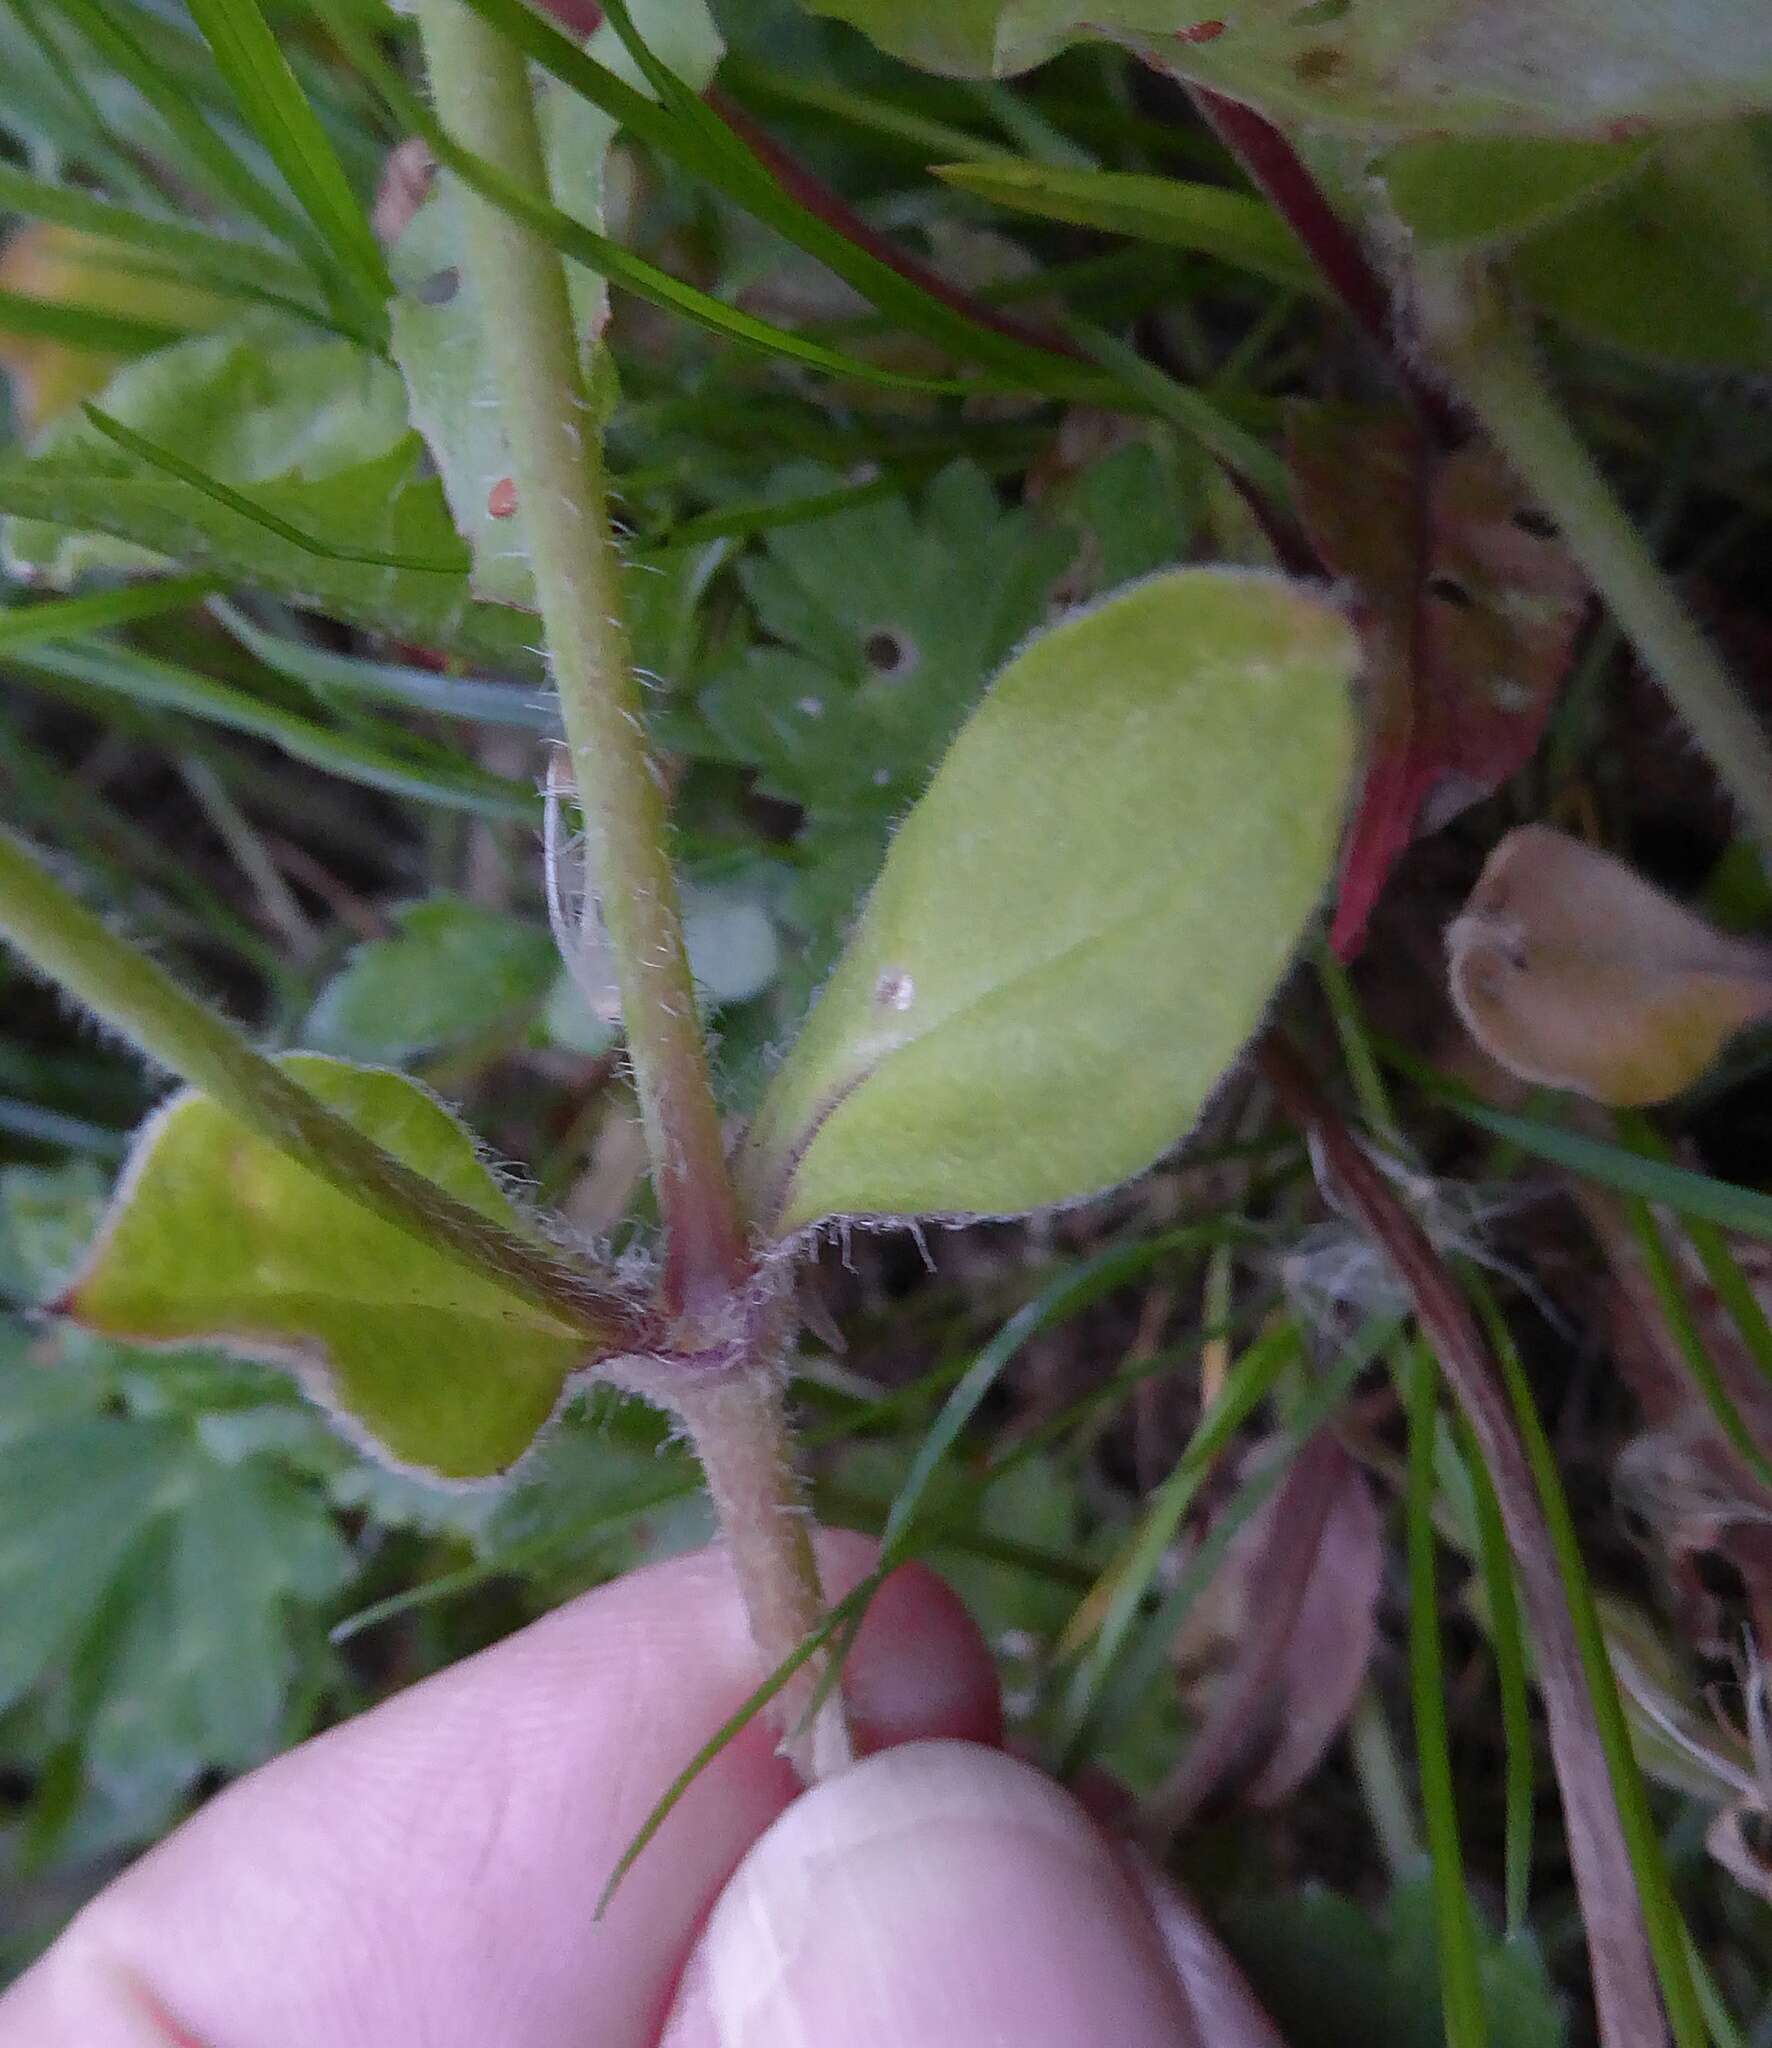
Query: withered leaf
[
  {"x": 1570, "y": 969},
  {"x": 1468, "y": 605}
]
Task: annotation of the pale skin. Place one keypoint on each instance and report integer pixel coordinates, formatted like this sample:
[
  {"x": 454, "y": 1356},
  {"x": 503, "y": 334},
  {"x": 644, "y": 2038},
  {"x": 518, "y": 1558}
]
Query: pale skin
[{"x": 424, "y": 1876}]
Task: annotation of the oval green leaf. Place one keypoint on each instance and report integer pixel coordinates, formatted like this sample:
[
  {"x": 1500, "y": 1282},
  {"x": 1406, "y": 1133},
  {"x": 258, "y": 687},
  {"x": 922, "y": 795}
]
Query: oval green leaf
[
  {"x": 1079, "y": 926},
  {"x": 216, "y": 1237}
]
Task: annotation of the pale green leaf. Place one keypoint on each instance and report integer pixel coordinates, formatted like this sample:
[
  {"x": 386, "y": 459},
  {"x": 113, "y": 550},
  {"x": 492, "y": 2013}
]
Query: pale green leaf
[
  {"x": 314, "y": 432},
  {"x": 455, "y": 972},
  {"x": 1495, "y": 66},
  {"x": 1079, "y": 925},
  {"x": 217, "y": 1237},
  {"x": 73, "y": 1499},
  {"x": 47, "y": 1216},
  {"x": 193, "y": 1661}
]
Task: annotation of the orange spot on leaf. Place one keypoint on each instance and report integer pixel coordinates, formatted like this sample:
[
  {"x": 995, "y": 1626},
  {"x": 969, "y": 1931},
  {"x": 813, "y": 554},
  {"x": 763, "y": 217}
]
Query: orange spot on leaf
[{"x": 501, "y": 500}]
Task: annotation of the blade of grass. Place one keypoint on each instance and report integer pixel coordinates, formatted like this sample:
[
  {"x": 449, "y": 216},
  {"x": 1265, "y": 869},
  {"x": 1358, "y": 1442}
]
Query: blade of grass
[
  {"x": 277, "y": 111},
  {"x": 1721, "y": 1268},
  {"x": 1667, "y": 1929},
  {"x": 30, "y": 625},
  {"x": 746, "y": 521},
  {"x": 853, "y": 1603},
  {"x": 773, "y": 190},
  {"x": 166, "y": 894},
  {"x": 79, "y": 129},
  {"x": 147, "y": 680},
  {"x": 1073, "y": 1289},
  {"x": 1627, "y": 1931},
  {"x": 201, "y": 252},
  {"x": 513, "y": 704},
  {"x": 1461, "y": 1991},
  {"x": 53, "y": 1127},
  {"x": 1508, "y": 1638},
  {"x": 1144, "y": 1658},
  {"x": 1234, "y": 227},
  {"x": 598, "y": 253},
  {"x": 1678, "y": 1188},
  {"x": 228, "y": 178},
  {"x": 1192, "y": 412},
  {"x": 925, "y": 138},
  {"x": 157, "y": 457},
  {"x": 1247, "y": 1385},
  {"x": 116, "y": 334},
  {"x": 1676, "y": 1311}
]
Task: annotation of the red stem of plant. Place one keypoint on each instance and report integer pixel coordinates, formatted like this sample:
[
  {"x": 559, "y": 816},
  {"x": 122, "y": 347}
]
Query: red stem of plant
[
  {"x": 1280, "y": 173},
  {"x": 816, "y": 196},
  {"x": 1625, "y": 1993}
]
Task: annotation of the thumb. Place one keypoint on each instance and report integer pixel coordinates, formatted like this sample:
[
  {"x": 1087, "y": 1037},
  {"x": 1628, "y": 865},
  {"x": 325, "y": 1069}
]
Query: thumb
[{"x": 938, "y": 1893}]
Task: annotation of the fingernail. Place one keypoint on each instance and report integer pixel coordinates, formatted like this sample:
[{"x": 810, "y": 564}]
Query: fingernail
[{"x": 939, "y": 1893}]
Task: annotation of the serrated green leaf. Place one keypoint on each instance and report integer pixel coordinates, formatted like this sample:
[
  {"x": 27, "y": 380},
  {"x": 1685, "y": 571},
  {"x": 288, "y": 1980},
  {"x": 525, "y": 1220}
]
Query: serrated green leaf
[
  {"x": 312, "y": 431},
  {"x": 1497, "y": 66},
  {"x": 73, "y": 1499},
  {"x": 1079, "y": 924},
  {"x": 47, "y": 1217},
  {"x": 887, "y": 624},
  {"x": 158, "y": 1575},
  {"x": 1477, "y": 191},
  {"x": 455, "y": 972},
  {"x": 1329, "y": 1972},
  {"x": 192, "y": 1661},
  {"x": 1236, "y": 227},
  {"x": 215, "y": 1237}
]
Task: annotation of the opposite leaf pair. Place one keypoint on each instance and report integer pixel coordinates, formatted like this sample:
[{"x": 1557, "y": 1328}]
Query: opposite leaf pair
[{"x": 1075, "y": 932}]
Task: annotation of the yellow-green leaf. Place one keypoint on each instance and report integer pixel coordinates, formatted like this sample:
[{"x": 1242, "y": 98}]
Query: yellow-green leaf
[
  {"x": 215, "y": 1236},
  {"x": 1079, "y": 925}
]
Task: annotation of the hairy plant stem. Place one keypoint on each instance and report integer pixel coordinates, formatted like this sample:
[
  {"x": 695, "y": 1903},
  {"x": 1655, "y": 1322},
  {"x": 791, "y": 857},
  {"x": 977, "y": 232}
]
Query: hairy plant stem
[
  {"x": 735, "y": 1424},
  {"x": 483, "y": 98},
  {"x": 136, "y": 996},
  {"x": 1490, "y": 366},
  {"x": 1277, "y": 170},
  {"x": 738, "y": 1426}
]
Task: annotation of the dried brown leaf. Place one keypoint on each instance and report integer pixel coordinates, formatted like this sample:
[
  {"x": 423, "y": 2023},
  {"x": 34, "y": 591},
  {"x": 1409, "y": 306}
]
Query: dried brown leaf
[{"x": 1569, "y": 968}]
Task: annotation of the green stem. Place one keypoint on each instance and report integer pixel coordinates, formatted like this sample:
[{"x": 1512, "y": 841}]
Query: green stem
[
  {"x": 1491, "y": 367},
  {"x": 736, "y": 1425},
  {"x": 738, "y": 1422},
  {"x": 483, "y": 98},
  {"x": 134, "y": 995},
  {"x": 1379, "y": 1770}
]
